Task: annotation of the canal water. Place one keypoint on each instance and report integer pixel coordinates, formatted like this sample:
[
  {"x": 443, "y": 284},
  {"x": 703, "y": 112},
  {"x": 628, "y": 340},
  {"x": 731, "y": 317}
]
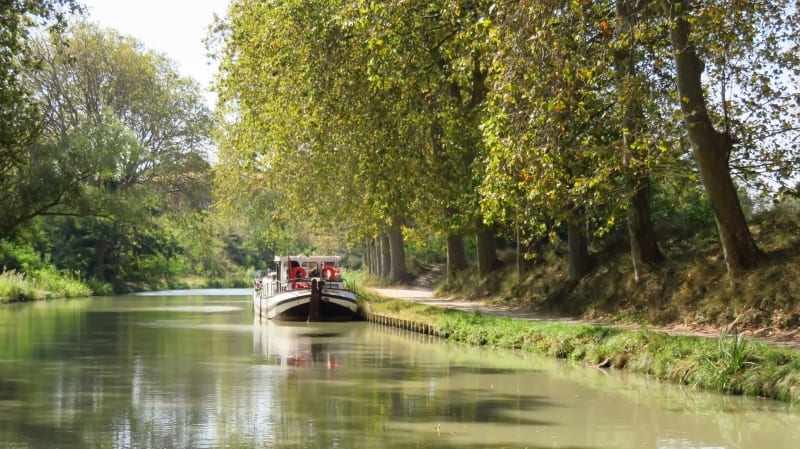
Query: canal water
[{"x": 194, "y": 369}]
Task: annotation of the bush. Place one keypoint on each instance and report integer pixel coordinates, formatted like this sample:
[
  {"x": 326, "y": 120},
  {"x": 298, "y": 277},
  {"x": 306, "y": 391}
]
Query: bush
[
  {"x": 19, "y": 257},
  {"x": 100, "y": 288}
]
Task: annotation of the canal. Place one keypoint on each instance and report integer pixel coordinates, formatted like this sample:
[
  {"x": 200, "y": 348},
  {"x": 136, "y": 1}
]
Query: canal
[{"x": 194, "y": 369}]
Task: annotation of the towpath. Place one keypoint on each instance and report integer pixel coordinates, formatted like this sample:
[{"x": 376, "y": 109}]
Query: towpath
[{"x": 783, "y": 338}]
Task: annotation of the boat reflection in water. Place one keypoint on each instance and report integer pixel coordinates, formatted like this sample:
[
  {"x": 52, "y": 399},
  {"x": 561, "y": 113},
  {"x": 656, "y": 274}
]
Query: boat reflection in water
[{"x": 294, "y": 344}]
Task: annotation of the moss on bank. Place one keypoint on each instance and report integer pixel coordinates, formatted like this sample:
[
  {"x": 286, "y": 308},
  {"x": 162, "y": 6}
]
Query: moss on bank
[{"x": 729, "y": 364}]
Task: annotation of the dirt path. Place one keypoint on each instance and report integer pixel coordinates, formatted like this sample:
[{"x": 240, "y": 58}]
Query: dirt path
[{"x": 783, "y": 338}]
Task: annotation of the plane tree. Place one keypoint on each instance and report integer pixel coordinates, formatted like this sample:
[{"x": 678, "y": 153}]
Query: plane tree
[
  {"x": 377, "y": 110},
  {"x": 745, "y": 52},
  {"x": 554, "y": 161},
  {"x": 437, "y": 53},
  {"x": 307, "y": 124},
  {"x": 618, "y": 68}
]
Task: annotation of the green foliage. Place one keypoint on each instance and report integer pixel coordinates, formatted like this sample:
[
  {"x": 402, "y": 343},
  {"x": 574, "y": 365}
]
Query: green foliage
[
  {"x": 681, "y": 201},
  {"x": 337, "y": 117},
  {"x": 122, "y": 148},
  {"x": 42, "y": 184},
  {"x": 18, "y": 114},
  {"x": 60, "y": 284},
  {"x": 525, "y": 114},
  {"x": 13, "y": 286},
  {"x": 18, "y": 257},
  {"x": 100, "y": 288},
  {"x": 424, "y": 250},
  {"x": 282, "y": 156}
]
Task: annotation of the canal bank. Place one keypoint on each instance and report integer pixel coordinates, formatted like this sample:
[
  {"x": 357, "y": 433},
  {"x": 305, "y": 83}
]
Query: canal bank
[{"x": 727, "y": 360}]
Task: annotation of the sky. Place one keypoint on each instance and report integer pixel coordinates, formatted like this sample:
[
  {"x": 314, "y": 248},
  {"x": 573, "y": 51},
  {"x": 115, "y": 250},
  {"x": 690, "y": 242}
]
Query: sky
[{"x": 176, "y": 28}]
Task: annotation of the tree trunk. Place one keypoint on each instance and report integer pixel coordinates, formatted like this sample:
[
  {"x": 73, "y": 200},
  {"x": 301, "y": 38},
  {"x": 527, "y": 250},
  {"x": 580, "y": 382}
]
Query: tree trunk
[
  {"x": 486, "y": 247},
  {"x": 520, "y": 256},
  {"x": 100, "y": 259},
  {"x": 710, "y": 148},
  {"x": 644, "y": 248},
  {"x": 368, "y": 255},
  {"x": 456, "y": 254},
  {"x": 367, "y": 259},
  {"x": 386, "y": 257},
  {"x": 375, "y": 256},
  {"x": 398, "y": 271},
  {"x": 522, "y": 252},
  {"x": 579, "y": 261}
]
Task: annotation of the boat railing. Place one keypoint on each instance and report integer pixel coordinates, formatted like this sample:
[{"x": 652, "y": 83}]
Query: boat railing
[
  {"x": 267, "y": 287},
  {"x": 301, "y": 283}
]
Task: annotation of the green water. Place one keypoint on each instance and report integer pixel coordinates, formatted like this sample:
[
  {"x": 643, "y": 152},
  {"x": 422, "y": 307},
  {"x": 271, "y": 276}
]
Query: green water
[{"x": 195, "y": 370}]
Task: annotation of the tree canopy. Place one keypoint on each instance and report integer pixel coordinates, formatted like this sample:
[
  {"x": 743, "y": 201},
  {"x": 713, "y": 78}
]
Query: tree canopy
[
  {"x": 117, "y": 158},
  {"x": 533, "y": 116}
]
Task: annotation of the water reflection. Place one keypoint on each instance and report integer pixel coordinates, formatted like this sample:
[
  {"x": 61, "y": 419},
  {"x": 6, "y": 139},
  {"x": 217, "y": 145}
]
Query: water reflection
[
  {"x": 168, "y": 371},
  {"x": 301, "y": 344}
]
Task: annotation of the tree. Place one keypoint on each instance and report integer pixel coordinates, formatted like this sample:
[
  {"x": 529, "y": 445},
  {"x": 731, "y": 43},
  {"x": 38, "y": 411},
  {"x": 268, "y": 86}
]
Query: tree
[
  {"x": 437, "y": 52},
  {"x": 634, "y": 89},
  {"x": 311, "y": 128},
  {"x": 19, "y": 128},
  {"x": 116, "y": 122},
  {"x": 553, "y": 161},
  {"x": 92, "y": 76},
  {"x": 131, "y": 137},
  {"x": 743, "y": 49},
  {"x": 459, "y": 116}
]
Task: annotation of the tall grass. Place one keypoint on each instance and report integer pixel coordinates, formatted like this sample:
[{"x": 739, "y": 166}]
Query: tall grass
[
  {"x": 14, "y": 286},
  {"x": 733, "y": 356},
  {"x": 40, "y": 284}
]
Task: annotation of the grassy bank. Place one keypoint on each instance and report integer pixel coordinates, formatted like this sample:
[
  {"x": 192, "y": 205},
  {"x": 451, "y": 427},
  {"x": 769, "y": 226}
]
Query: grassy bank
[
  {"x": 48, "y": 283},
  {"x": 729, "y": 364},
  {"x": 690, "y": 289}
]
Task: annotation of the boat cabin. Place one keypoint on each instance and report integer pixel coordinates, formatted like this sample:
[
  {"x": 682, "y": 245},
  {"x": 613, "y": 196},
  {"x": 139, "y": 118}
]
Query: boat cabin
[{"x": 297, "y": 272}]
